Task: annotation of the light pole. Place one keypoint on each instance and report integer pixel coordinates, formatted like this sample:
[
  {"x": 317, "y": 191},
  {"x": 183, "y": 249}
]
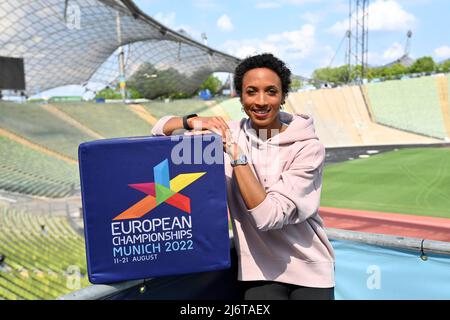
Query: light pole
[
  {"x": 122, "y": 82},
  {"x": 205, "y": 39}
]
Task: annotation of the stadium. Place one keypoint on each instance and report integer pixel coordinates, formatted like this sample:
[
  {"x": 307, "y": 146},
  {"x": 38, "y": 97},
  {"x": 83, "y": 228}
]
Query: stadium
[{"x": 386, "y": 189}]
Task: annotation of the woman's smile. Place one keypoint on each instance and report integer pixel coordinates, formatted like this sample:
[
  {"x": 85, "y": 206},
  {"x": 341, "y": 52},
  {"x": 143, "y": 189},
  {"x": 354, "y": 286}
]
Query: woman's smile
[{"x": 261, "y": 113}]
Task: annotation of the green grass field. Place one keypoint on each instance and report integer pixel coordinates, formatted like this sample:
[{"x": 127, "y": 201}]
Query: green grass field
[{"x": 410, "y": 181}]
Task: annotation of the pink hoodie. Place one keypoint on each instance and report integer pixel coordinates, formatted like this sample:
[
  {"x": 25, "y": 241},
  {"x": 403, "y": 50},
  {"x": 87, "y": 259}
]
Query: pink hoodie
[{"x": 282, "y": 239}]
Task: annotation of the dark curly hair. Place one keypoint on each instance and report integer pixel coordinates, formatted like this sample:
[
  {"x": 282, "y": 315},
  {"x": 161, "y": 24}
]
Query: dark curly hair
[{"x": 265, "y": 60}]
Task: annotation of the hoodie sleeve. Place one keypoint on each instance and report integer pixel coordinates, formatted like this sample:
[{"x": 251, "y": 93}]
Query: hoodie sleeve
[
  {"x": 296, "y": 195},
  {"x": 157, "y": 129}
]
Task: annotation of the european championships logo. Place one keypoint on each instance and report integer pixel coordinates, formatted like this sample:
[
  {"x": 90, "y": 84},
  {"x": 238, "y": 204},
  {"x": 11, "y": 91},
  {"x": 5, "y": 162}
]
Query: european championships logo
[
  {"x": 161, "y": 190},
  {"x": 142, "y": 240}
]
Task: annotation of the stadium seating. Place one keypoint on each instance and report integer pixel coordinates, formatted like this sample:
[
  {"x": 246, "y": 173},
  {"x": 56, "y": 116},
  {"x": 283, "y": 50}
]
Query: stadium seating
[
  {"x": 232, "y": 107},
  {"x": 176, "y": 107},
  {"x": 28, "y": 171},
  {"x": 25, "y": 170},
  {"x": 42, "y": 252},
  {"x": 342, "y": 118},
  {"x": 33, "y": 123},
  {"x": 411, "y": 104},
  {"x": 110, "y": 120}
]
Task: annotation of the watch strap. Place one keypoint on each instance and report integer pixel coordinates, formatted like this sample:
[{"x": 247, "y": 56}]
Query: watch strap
[
  {"x": 242, "y": 160},
  {"x": 185, "y": 121}
]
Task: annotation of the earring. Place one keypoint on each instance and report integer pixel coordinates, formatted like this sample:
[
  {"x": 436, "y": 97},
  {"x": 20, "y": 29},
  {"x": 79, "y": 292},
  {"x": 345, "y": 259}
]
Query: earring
[{"x": 242, "y": 109}]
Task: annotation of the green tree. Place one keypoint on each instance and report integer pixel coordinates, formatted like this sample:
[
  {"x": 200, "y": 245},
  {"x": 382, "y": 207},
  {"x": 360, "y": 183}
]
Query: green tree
[
  {"x": 152, "y": 83},
  {"x": 133, "y": 93},
  {"x": 398, "y": 70},
  {"x": 333, "y": 75},
  {"x": 212, "y": 83},
  {"x": 390, "y": 72},
  {"x": 108, "y": 93},
  {"x": 296, "y": 84},
  {"x": 424, "y": 64},
  {"x": 445, "y": 66}
]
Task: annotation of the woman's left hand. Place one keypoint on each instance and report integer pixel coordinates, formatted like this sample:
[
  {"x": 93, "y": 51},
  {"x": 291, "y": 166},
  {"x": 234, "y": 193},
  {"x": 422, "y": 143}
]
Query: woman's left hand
[{"x": 229, "y": 146}]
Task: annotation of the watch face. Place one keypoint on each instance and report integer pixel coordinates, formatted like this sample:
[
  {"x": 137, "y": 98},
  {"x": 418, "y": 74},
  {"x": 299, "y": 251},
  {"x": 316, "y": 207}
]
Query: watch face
[{"x": 242, "y": 159}]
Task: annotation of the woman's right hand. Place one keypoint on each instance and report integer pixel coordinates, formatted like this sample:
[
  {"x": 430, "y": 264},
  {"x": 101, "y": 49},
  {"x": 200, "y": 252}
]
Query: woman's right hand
[
  {"x": 214, "y": 124},
  {"x": 200, "y": 125}
]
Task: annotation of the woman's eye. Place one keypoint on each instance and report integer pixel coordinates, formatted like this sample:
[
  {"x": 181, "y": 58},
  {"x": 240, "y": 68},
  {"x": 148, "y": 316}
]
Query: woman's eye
[{"x": 272, "y": 91}]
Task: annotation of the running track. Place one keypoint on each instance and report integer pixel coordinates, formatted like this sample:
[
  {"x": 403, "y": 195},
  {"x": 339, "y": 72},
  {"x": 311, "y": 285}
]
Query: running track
[{"x": 405, "y": 225}]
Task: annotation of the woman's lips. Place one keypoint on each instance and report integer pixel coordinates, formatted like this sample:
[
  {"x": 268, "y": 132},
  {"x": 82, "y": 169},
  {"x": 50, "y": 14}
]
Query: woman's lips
[{"x": 261, "y": 114}]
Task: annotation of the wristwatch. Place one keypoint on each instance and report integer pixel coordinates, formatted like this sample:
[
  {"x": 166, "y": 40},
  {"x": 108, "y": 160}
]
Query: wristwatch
[
  {"x": 185, "y": 121},
  {"x": 241, "y": 160}
]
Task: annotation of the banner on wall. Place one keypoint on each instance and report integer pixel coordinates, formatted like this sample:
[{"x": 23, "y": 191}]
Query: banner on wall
[
  {"x": 370, "y": 272},
  {"x": 154, "y": 206}
]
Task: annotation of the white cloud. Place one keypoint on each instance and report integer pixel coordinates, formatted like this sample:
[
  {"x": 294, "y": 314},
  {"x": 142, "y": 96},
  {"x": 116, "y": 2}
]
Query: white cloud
[
  {"x": 384, "y": 15},
  {"x": 169, "y": 20},
  {"x": 224, "y": 23},
  {"x": 192, "y": 32},
  {"x": 394, "y": 52},
  {"x": 290, "y": 46},
  {"x": 442, "y": 52},
  {"x": 390, "y": 16},
  {"x": 327, "y": 53},
  {"x": 312, "y": 17},
  {"x": 375, "y": 59},
  {"x": 243, "y": 50}
]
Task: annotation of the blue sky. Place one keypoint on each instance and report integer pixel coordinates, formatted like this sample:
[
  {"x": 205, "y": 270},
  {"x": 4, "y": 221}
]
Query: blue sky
[{"x": 307, "y": 33}]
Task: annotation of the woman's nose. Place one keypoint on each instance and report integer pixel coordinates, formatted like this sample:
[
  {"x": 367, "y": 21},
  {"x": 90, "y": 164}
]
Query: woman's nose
[{"x": 261, "y": 99}]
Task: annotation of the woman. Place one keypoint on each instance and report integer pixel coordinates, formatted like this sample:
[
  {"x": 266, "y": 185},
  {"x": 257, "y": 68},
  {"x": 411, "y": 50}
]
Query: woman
[{"x": 273, "y": 165}]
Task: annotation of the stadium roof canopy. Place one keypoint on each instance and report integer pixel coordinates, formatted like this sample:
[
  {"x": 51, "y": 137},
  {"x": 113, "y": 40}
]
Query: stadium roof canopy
[{"x": 74, "y": 42}]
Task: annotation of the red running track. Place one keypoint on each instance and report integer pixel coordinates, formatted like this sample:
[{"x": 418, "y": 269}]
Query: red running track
[{"x": 404, "y": 225}]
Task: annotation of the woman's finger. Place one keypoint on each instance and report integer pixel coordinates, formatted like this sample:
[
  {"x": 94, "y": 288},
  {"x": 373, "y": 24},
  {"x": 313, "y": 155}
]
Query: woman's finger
[
  {"x": 216, "y": 130},
  {"x": 222, "y": 122},
  {"x": 216, "y": 123}
]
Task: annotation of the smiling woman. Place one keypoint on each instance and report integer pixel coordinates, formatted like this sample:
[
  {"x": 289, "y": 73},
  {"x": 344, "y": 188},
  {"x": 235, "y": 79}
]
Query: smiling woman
[
  {"x": 262, "y": 97},
  {"x": 273, "y": 166},
  {"x": 263, "y": 88}
]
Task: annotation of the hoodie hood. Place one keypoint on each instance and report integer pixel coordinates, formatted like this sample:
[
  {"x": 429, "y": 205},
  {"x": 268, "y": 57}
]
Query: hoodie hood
[{"x": 300, "y": 128}]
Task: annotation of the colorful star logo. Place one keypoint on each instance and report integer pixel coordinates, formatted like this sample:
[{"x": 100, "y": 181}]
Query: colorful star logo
[{"x": 162, "y": 190}]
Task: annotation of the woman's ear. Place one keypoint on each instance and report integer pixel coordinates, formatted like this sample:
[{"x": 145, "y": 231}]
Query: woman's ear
[{"x": 283, "y": 98}]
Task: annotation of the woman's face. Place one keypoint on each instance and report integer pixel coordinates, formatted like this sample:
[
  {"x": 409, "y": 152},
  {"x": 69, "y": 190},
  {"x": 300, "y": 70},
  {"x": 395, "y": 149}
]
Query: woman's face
[{"x": 262, "y": 96}]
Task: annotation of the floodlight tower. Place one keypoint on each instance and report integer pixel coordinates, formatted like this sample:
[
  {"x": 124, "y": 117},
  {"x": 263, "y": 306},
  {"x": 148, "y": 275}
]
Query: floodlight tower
[
  {"x": 358, "y": 39},
  {"x": 408, "y": 42},
  {"x": 122, "y": 82},
  {"x": 205, "y": 38}
]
